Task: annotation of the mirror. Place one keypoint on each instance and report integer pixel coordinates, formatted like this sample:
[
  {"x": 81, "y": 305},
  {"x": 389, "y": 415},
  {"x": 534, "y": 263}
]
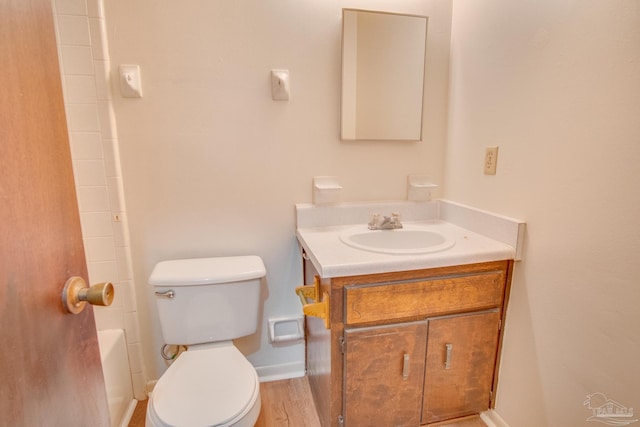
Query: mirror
[{"x": 383, "y": 57}]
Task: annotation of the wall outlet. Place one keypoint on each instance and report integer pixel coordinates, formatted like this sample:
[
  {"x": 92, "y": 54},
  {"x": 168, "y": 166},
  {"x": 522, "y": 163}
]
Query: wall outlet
[{"x": 490, "y": 160}]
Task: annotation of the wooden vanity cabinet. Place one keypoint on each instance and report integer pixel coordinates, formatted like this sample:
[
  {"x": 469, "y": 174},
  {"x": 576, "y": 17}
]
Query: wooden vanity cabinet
[
  {"x": 384, "y": 374},
  {"x": 408, "y": 348},
  {"x": 460, "y": 384}
]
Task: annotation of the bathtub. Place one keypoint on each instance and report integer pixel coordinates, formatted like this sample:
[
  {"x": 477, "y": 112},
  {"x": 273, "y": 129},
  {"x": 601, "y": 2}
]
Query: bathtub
[{"x": 117, "y": 376}]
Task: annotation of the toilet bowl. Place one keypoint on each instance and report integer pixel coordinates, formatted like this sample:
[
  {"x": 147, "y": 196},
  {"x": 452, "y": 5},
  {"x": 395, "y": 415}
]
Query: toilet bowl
[
  {"x": 208, "y": 385},
  {"x": 205, "y": 303}
]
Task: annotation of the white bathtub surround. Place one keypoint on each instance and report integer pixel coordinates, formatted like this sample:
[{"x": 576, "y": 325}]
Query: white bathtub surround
[
  {"x": 117, "y": 377},
  {"x": 481, "y": 237},
  {"x": 84, "y": 64}
]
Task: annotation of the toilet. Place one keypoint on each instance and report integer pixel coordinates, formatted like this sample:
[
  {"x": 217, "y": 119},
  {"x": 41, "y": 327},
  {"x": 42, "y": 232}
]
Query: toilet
[{"x": 204, "y": 303}]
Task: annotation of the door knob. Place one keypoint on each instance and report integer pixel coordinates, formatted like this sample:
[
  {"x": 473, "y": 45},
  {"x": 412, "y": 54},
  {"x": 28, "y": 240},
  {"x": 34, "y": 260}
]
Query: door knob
[{"x": 76, "y": 294}]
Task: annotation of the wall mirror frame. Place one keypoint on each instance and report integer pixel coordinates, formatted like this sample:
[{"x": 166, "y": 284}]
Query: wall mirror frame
[{"x": 383, "y": 73}]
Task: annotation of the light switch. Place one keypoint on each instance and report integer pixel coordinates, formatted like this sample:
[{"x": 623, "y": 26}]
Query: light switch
[
  {"x": 280, "y": 85},
  {"x": 130, "y": 81}
]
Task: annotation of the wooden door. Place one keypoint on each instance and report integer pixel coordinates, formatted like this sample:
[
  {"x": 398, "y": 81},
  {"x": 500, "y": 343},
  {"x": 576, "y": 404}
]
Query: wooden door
[
  {"x": 50, "y": 371},
  {"x": 384, "y": 373},
  {"x": 458, "y": 379}
]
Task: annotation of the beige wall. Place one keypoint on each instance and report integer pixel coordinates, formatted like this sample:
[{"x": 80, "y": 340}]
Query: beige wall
[
  {"x": 556, "y": 85},
  {"x": 213, "y": 166}
]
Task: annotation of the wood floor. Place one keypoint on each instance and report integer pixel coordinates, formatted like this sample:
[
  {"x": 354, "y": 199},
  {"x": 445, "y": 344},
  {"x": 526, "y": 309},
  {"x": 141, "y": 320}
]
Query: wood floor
[
  {"x": 288, "y": 403},
  {"x": 137, "y": 420},
  {"x": 472, "y": 421}
]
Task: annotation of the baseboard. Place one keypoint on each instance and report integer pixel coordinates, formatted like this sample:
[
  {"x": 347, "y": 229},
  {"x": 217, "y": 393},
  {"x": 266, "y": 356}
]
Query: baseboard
[
  {"x": 283, "y": 371},
  {"x": 492, "y": 419}
]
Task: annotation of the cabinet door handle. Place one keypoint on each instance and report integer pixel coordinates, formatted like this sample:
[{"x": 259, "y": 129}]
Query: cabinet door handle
[
  {"x": 405, "y": 366},
  {"x": 447, "y": 362}
]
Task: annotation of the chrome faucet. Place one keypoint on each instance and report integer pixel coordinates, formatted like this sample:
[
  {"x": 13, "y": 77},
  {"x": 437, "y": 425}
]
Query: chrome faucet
[{"x": 386, "y": 223}]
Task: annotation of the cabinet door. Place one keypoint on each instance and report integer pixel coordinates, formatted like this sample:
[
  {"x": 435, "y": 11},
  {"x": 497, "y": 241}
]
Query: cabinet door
[
  {"x": 384, "y": 374},
  {"x": 461, "y": 356}
]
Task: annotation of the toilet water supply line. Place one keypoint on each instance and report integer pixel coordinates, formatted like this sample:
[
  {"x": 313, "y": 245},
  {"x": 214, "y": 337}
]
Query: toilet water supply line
[{"x": 171, "y": 357}]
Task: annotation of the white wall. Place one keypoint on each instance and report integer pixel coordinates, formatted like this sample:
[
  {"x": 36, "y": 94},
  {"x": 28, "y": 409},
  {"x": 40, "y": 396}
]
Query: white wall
[
  {"x": 212, "y": 166},
  {"x": 556, "y": 85}
]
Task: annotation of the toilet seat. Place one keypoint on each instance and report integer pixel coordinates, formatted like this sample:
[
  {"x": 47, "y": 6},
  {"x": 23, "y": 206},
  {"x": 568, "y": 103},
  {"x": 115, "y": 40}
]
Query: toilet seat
[{"x": 209, "y": 385}]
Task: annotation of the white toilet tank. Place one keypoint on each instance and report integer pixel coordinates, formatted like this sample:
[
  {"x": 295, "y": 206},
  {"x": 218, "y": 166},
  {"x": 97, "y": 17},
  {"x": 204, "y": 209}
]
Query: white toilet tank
[{"x": 202, "y": 300}]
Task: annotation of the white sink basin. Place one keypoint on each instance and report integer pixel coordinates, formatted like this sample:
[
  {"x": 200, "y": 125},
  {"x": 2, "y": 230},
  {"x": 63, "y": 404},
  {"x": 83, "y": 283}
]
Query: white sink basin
[{"x": 412, "y": 239}]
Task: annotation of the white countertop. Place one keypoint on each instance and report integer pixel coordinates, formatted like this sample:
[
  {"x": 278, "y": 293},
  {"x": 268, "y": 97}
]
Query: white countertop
[{"x": 333, "y": 258}]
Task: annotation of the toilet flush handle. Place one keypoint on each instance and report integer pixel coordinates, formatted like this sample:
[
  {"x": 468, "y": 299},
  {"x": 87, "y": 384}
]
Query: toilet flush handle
[{"x": 167, "y": 294}]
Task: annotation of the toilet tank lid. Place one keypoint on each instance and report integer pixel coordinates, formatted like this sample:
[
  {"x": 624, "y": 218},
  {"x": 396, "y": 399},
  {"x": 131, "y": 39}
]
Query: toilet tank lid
[{"x": 207, "y": 271}]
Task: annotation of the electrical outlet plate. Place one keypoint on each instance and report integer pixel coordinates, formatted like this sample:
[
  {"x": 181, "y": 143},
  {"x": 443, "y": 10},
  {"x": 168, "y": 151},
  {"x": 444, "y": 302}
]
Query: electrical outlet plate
[{"x": 490, "y": 160}]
